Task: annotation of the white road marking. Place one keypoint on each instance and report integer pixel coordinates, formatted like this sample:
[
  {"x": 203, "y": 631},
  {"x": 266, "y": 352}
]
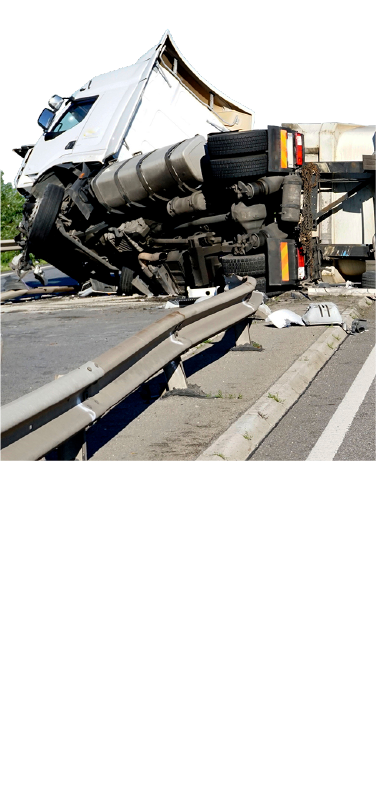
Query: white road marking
[{"x": 338, "y": 426}]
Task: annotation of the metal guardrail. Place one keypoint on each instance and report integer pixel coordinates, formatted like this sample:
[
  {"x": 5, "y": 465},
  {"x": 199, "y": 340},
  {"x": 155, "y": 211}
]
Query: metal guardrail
[
  {"x": 38, "y": 291},
  {"x": 8, "y": 245},
  {"x": 57, "y": 414}
]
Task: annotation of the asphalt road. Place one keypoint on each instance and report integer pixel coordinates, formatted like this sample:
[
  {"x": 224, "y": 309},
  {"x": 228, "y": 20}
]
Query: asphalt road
[
  {"x": 53, "y": 340},
  {"x": 36, "y": 347},
  {"x": 62, "y": 334},
  {"x": 298, "y": 433}
]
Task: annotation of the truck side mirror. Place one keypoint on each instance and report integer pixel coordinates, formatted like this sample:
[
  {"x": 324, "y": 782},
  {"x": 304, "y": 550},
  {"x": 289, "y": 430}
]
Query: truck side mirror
[
  {"x": 56, "y": 101},
  {"x": 45, "y": 118}
]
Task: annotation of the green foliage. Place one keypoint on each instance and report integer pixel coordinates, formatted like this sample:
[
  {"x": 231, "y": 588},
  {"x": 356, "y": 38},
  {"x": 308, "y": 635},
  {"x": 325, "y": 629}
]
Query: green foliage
[
  {"x": 275, "y": 397},
  {"x": 11, "y": 213}
]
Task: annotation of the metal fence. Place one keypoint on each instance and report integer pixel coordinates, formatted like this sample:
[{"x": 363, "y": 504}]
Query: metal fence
[
  {"x": 8, "y": 245},
  {"x": 58, "y": 414}
]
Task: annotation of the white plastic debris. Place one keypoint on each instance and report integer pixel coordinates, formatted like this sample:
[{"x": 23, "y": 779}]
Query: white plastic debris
[
  {"x": 263, "y": 310},
  {"x": 171, "y": 304},
  {"x": 199, "y": 294},
  {"x": 284, "y": 318},
  {"x": 322, "y": 314}
]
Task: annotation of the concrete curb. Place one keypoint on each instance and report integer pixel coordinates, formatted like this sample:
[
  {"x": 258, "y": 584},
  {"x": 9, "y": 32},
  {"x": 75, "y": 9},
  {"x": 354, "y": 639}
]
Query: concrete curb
[
  {"x": 242, "y": 438},
  {"x": 324, "y": 291}
]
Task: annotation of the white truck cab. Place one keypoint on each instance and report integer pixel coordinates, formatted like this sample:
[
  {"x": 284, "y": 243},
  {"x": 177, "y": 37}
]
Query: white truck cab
[{"x": 160, "y": 99}]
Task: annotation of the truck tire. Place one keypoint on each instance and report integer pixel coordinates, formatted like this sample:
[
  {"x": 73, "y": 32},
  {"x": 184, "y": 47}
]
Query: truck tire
[
  {"x": 233, "y": 143},
  {"x": 239, "y": 167},
  {"x": 368, "y": 279},
  {"x": 45, "y": 218},
  {"x": 125, "y": 282},
  {"x": 244, "y": 265},
  {"x": 261, "y": 284}
]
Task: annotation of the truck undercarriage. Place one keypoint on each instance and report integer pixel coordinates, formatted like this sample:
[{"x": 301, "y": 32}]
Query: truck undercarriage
[{"x": 187, "y": 215}]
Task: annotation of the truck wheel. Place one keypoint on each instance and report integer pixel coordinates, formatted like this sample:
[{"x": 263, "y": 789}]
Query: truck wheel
[
  {"x": 125, "y": 282},
  {"x": 243, "y": 265},
  {"x": 261, "y": 284},
  {"x": 231, "y": 143},
  {"x": 368, "y": 279},
  {"x": 239, "y": 167},
  {"x": 45, "y": 218}
]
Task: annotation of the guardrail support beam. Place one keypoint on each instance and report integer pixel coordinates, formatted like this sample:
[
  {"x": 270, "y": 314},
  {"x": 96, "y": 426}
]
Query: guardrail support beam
[
  {"x": 175, "y": 375},
  {"x": 73, "y": 449},
  {"x": 242, "y": 332}
]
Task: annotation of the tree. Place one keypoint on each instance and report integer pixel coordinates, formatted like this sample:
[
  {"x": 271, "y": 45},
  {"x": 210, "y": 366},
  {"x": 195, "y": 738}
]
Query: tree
[{"x": 11, "y": 213}]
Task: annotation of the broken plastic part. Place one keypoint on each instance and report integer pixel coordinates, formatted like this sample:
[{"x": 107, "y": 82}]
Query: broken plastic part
[
  {"x": 284, "y": 318},
  {"x": 358, "y": 326},
  {"x": 322, "y": 314}
]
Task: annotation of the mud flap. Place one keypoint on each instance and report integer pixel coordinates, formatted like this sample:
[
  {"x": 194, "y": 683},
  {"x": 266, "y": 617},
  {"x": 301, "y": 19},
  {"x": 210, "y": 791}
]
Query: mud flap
[{"x": 282, "y": 262}]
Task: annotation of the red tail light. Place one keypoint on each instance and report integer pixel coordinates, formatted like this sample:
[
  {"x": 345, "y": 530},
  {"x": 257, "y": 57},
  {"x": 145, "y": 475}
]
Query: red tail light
[
  {"x": 301, "y": 264},
  {"x": 298, "y": 149}
]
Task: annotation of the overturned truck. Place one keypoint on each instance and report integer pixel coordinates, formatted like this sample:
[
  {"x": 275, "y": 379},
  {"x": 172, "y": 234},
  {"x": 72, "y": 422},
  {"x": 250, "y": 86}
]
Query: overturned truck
[{"x": 147, "y": 179}]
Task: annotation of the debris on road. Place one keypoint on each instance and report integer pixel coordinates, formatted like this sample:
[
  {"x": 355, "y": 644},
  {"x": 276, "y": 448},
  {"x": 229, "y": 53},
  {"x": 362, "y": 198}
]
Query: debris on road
[
  {"x": 322, "y": 314},
  {"x": 264, "y": 310},
  {"x": 284, "y": 318},
  {"x": 359, "y": 326}
]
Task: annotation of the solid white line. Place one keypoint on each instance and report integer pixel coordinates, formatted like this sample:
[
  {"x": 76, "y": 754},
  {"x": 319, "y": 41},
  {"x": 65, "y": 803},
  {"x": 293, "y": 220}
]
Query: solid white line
[{"x": 335, "y": 432}]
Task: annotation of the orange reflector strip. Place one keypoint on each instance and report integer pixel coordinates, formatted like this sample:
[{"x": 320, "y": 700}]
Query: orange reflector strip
[
  {"x": 283, "y": 148},
  {"x": 285, "y": 261}
]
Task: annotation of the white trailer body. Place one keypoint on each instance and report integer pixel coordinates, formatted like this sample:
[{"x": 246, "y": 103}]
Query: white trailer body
[{"x": 332, "y": 146}]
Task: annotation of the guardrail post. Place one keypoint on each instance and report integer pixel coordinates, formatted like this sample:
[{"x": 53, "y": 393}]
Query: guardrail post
[
  {"x": 242, "y": 332},
  {"x": 73, "y": 449},
  {"x": 175, "y": 375}
]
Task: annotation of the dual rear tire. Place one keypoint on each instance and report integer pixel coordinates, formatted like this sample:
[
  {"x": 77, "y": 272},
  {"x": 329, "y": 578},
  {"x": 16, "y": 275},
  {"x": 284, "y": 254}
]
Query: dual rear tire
[{"x": 238, "y": 155}]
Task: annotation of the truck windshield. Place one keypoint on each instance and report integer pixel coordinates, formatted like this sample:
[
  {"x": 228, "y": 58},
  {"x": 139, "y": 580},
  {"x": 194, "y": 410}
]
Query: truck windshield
[{"x": 74, "y": 114}]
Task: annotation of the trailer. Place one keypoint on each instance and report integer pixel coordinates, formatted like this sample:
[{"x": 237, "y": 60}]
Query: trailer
[
  {"x": 149, "y": 179},
  {"x": 343, "y": 198}
]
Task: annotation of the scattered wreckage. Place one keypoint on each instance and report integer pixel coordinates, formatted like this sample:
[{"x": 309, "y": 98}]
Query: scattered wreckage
[{"x": 113, "y": 206}]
